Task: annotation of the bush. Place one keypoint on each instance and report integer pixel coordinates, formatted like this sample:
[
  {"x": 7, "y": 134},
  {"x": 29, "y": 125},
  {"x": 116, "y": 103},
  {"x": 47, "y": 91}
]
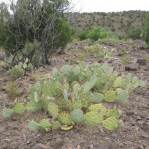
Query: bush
[
  {"x": 98, "y": 51},
  {"x": 95, "y": 33},
  {"x": 134, "y": 33},
  {"x": 19, "y": 70},
  {"x": 76, "y": 95},
  {"x": 146, "y": 29},
  {"x": 126, "y": 59},
  {"x": 34, "y": 29},
  {"x": 12, "y": 89},
  {"x": 32, "y": 51}
]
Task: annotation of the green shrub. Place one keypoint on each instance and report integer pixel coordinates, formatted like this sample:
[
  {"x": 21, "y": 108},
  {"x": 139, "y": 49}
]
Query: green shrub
[
  {"x": 12, "y": 89},
  {"x": 134, "y": 33},
  {"x": 83, "y": 35},
  {"x": 98, "y": 51},
  {"x": 32, "y": 50},
  {"x": 95, "y": 33},
  {"x": 113, "y": 41},
  {"x": 76, "y": 95},
  {"x": 34, "y": 29},
  {"x": 146, "y": 29},
  {"x": 17, "y": 71},
  {"x": 126, "y": 59}
]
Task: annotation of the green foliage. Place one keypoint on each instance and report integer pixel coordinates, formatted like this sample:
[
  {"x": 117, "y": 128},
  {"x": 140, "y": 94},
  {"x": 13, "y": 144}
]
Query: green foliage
[
  {"x": 89, "y": 84},
  {"x": 112, "y": 113},
  {"x": 110, "y": 40},
  {"x": 66, "y": 33},
  {"x": 97, "y": 97},
  {"x": 19, "y": 70},
  {"x": 146, "y": 29},
  {"x": 33, "y": 106},
  {"x": 32, "y": 51},
  {"x": 126, "y": 59},
  {"x": 96, "y": 50},
  {"x": 110, "y": 96},
  {"x": 7, "y": 113},
  {"x": 19, "y": 108},
  {"x": 12, "y": 89},
  {"x": 134, "y": 33},
  {"x": 76, "y": 94},
  {"x": 77, "y": 115},
  {"x": 111, "y": 123},
  {"x": 92, "y": 118},
  {"x": 27, "y": 32},
  {"x": 95, "y": 33},
  {"x": 33, "y": 126},
  {"x": 45, "y": 124},
  {"x": 122, "y": 95},
  {"x": 100, "y": 108},
  {"x": 55, "y": 125},
  {"x": 119, "y": 82},
  {"x": 6, "y": 38},
  {"x": 65, "y": 118},
  {"x": 53, "y": 109}
]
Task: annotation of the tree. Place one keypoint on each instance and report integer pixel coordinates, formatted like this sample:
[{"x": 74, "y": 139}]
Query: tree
[
  {"x": 36, "y": 28},
  {"x": 146, "y": 29},
  {"x": 4, "y": 21}
]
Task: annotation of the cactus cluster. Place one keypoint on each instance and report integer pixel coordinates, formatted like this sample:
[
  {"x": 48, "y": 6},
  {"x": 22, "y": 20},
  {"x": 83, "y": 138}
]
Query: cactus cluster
[{"x": 77, "y": 95}]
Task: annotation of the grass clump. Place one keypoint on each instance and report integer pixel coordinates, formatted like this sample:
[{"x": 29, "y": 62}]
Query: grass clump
[
  {"x": 12, "y": 89},
  {"x": 126, "y": 59},
  {"x": 77, "y": 95}
]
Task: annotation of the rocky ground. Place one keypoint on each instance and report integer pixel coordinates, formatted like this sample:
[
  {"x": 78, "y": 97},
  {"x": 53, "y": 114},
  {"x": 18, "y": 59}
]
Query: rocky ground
[{"x": 133, "y": 134}]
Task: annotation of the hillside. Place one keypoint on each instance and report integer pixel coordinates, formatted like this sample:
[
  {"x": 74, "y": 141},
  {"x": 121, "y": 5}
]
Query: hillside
[{"x": 119, "y": 22}]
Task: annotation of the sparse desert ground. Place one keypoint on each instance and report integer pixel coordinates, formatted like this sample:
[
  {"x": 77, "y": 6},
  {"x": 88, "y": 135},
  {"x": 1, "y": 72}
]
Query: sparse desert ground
[{"x": 134, "y": 130}]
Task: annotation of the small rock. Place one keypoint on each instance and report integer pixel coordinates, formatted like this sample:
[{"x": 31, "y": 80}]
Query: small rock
[
  {"x": 78, "y": 147},
  {"x": 2, "y": 56},
  {"x": 40, "y": 146},
  {"x": 114, "y": 136},
  {"x": 91, "y": 146},
  {"x": 104, "y": 145},
  {"x": 144, "y": 135},
  {"x": 68, "y": 146},
  {"x": 131, "y": 67},
  {"x": 130, "y": 113},
  {"x": 2, "y": 129},
  {"x": 141, "y": 61}
]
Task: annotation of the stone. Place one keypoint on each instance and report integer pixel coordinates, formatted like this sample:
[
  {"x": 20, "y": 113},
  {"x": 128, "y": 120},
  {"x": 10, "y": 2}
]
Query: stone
[
  {"x": 132, "y": 67},
  {"x": 141, "y": 61},
  {"x": 40, "y": 146}
]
